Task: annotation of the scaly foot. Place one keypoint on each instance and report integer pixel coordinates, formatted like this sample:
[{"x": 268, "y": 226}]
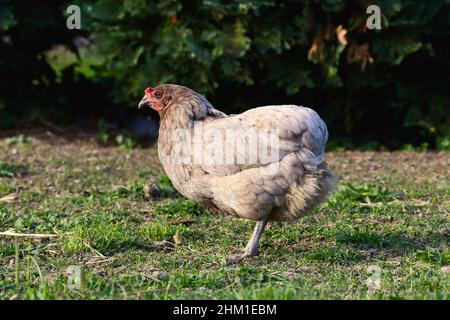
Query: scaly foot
[{"x": 240, "y": 257}]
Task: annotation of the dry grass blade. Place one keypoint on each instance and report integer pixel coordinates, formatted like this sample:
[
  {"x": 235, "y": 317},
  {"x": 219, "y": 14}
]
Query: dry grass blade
[
  {"x": 8, "y": 198},
  {"x": 183, "y": 221},
  {"x": 95, "y": 251},
  {"x": 12, "y": 233},
  {"x": 413, "y": 202},
  {"x": 99, "y": 260}
]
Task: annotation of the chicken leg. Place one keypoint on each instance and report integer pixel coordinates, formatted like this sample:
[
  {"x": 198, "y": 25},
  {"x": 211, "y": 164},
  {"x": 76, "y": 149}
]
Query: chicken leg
[{"x": 251, "y": 249}]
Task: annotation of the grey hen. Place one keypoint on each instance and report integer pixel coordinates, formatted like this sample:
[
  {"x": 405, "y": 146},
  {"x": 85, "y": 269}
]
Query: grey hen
[{"x": 264, "y": 164}]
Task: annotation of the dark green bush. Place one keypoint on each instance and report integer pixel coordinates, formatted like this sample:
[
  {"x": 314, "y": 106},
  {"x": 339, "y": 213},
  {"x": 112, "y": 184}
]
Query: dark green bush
[{"x": 388, "y": 86}]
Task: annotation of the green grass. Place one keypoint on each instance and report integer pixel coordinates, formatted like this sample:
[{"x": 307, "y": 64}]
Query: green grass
[
  {"x": 390, "y": 211},
  {"x": 8, "y": 170}
]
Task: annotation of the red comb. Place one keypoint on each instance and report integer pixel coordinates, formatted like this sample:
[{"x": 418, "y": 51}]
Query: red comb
[{"x": 148, "y": 91}]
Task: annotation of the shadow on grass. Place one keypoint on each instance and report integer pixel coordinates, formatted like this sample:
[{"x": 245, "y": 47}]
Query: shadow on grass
[
  {"x": 372, "y": 240},
  {"x": 358, "y": 246},
  {"x": 157, "y": 246},
  {"x": 9, "y": 170}
]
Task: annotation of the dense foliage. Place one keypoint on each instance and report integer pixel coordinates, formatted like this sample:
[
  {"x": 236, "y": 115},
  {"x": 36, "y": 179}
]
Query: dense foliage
[{"x": 389, "y": 86}]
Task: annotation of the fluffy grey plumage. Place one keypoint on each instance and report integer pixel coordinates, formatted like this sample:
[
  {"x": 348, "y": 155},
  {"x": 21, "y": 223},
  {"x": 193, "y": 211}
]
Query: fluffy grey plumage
[{"x": 285, "y": 186}]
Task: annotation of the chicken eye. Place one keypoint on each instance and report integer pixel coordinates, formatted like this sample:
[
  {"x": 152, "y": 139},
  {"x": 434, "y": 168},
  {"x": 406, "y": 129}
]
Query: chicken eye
[{"x": 157, "y": 94}]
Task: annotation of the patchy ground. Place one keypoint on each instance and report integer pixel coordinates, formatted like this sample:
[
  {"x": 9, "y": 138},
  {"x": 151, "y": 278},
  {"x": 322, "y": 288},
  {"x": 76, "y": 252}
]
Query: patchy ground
[{"x": 383, "y": 234}]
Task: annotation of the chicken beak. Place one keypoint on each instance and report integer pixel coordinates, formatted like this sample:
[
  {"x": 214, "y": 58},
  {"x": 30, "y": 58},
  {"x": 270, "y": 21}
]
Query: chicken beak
[{"x": 144, "y": 102}]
